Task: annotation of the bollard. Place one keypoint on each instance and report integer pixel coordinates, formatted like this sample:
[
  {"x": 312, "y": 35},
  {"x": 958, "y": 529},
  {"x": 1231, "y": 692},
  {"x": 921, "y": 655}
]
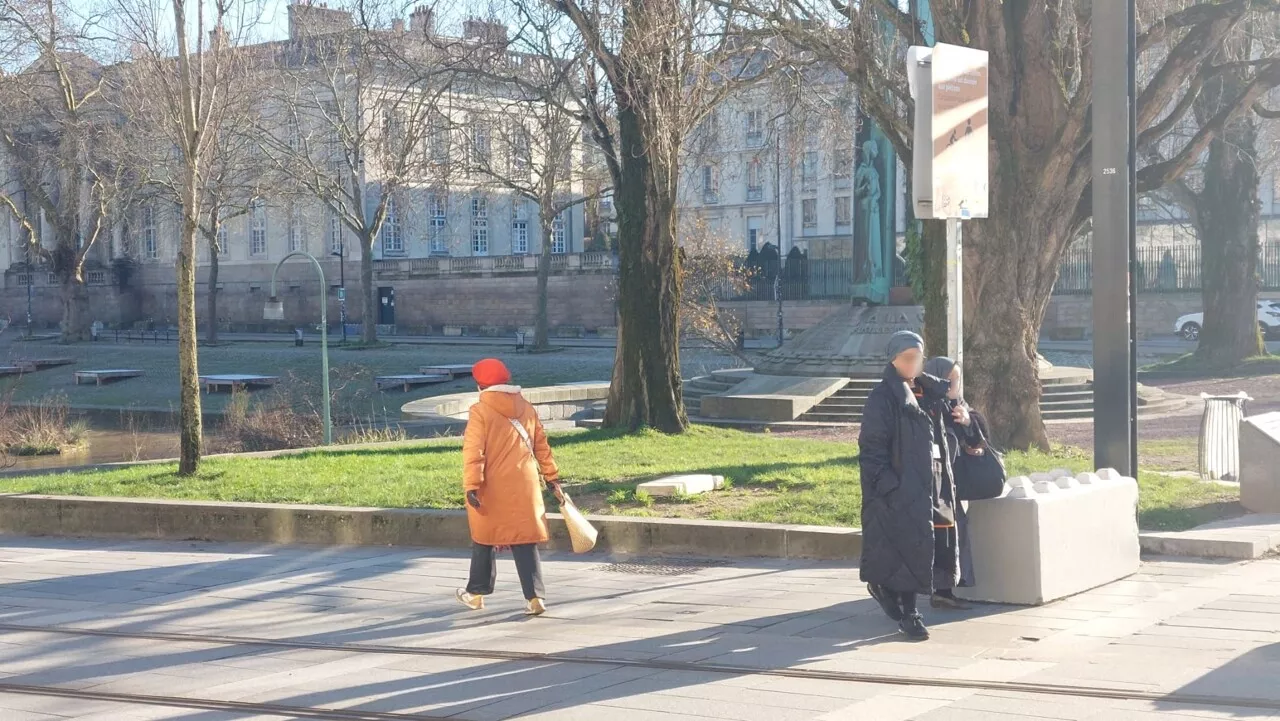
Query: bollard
[{"x": 1220, "y": 436}]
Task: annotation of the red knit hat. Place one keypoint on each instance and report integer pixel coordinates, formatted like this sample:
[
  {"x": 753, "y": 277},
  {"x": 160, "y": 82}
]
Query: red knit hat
[{"x": 490, "y": 372}]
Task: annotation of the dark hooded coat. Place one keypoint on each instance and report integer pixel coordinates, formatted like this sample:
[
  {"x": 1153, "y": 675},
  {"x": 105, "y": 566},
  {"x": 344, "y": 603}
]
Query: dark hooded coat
[{"x": 903, "y": 488}]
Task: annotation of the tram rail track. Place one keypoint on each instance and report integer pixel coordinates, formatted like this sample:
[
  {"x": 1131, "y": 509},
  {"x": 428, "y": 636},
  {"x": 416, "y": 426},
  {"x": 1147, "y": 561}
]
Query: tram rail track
[{"x": 1020, "y": 687}]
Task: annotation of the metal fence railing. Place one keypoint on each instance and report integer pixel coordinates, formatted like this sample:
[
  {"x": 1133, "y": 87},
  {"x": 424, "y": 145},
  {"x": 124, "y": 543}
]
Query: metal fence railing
[{"x": 1160, "y": 269}]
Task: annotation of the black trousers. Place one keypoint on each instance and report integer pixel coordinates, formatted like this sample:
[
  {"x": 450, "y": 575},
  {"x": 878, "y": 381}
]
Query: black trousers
[{"x": 484, "y": 570}]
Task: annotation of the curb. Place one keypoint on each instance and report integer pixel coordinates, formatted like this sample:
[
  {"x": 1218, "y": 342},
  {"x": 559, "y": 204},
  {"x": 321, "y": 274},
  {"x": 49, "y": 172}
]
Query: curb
[
  {"x": 174, "y": 520},
  {"x": 61, "y": 516}
]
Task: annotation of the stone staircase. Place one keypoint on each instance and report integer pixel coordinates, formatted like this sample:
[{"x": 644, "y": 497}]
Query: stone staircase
[
  {"x": 1066, "y": 395},
  {"x": 717, "y": 382}
]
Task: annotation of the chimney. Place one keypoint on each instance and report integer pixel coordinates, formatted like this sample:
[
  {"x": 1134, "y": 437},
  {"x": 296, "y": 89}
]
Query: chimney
[
  {"x": 422, "y": 21},
  {"x": 218, "y": 37},
  {"x": 307, "y": 18},
  {"x": 397, "y": 26},
  {"x": 485, "y": 31}
]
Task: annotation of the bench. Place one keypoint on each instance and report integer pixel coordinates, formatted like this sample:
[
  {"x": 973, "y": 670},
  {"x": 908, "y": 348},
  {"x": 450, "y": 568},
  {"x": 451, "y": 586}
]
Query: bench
[
  {"x": 100, "y": 377},
  {"x": 452, "y": 371},
  {"x": 236, "y": 382},
  {"x": 409, "y": 381}
]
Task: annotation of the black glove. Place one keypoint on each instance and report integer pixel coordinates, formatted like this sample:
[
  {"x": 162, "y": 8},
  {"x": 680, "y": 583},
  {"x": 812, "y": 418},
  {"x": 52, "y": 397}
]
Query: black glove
[{"x": 473, "y": 499}]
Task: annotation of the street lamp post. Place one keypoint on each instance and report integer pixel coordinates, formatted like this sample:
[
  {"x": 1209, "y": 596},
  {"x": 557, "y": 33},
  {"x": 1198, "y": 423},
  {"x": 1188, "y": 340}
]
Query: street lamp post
[
  {"x": 341, "y": 255},
  {"x": 274, "y": 310}
]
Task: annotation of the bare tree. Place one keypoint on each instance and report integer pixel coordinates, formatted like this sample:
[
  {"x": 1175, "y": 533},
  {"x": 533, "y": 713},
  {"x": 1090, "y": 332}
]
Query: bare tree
[
  {"x": 354, "y": 107},
  {"x": 1041, "y": 93},
  {"x": 55, "y": 179},
  {"x": 181, "y": 84},
  {"x": 656, "y": 68}
]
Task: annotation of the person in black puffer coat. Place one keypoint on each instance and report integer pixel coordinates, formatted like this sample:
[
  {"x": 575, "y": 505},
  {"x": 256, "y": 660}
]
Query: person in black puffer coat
[
  {"x": 907, "y": 487},
  {"x": 966, "y": 431}
]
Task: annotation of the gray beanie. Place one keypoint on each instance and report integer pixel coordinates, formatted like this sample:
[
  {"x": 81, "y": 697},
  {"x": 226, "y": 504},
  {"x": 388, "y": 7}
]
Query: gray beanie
[{"x": 902, "y": 341}]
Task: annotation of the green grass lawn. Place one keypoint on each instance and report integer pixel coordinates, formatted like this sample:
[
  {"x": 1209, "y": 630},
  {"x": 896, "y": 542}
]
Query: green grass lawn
[{"x": 773, "y": 479}]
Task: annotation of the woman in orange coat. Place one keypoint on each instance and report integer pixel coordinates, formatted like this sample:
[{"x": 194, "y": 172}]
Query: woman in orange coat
[{"x": 504, "y": 451}]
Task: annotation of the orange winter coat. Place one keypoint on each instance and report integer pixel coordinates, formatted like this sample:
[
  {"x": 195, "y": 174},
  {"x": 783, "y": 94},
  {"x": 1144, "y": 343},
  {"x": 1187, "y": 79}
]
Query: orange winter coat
[{"x": 496, "y": 463}]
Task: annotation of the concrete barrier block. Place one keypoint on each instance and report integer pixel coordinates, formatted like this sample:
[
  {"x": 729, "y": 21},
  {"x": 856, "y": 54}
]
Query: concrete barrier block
[
  {"x": 1051, "y": 536},
  {"x": 1260, "y": 463}
]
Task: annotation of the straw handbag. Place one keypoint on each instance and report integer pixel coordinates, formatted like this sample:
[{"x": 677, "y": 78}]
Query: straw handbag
[{"x": 581, "y": 533}]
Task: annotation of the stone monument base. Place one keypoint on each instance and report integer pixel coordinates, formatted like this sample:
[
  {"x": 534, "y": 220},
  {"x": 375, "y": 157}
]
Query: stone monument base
[{"x": 848, "y": 343}]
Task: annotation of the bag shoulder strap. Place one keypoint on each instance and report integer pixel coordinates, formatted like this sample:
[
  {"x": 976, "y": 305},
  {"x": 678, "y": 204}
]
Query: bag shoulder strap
[{"x": 524, "y": 435}]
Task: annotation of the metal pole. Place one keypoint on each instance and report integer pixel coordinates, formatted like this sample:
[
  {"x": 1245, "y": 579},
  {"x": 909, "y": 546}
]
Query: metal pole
[
  {"x": 955, "y": 291},
  {"x": 777, "y": 294},
  {"x": 1114, "y": 204},
  {"x": 324, "y": 336},
  {"x": 342, "y": 289}
]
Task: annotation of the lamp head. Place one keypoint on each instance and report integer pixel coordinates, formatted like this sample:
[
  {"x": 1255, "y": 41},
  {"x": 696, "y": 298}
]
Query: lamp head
[{"x": 273, "y": 310}]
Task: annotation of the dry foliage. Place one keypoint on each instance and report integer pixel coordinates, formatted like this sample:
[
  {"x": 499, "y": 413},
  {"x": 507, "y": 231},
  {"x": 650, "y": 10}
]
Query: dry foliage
[
  {"x": 710, "y": 270},
  {"x": 291, "y": 415}
]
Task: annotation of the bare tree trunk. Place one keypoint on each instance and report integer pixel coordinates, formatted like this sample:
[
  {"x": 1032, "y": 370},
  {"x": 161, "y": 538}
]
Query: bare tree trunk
[
  {"x": 542, "y": 330},
  {"x": 369, "y": 328},
  {"x": 1228, "y": 226},
  {"x": 189, "y": 416},
  {"x": 212, "y": 336},
  {"x": 932, "y": 264},
  {"x": 1005, "y": 302},
  {"x": 75, "y": 308},
  {"x": 646, "y": 384}
]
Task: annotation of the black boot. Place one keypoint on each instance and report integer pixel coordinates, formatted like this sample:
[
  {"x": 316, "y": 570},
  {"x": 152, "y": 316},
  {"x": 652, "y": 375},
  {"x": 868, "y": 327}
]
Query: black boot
[
  {"x": 887, "y": 601},
  {"x": 913, "y": 628}
]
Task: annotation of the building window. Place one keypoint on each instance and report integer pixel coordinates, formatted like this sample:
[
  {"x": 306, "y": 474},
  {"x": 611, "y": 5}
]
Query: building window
[
  {"x": 479, "y": 226},
  {"x": 295, "y": 138},
  {"x": 438, "y": 208},
  {"x": 843, "y": 171},
  {"x": 521, "y": 149},
  {"x": 24, "y": 279},
  {"x": 258, "y": 228},
  {"x": 519, "y": 229},
  {"x": 844, "y": 211},
  {"x": 224, "y": 235},
  {"x": 709, "y": 194},
  {"x": 150, "y": 245},
  {"x": 755, "y": 181},
  {"x": 438, "y": 138},
  {"x": 809, "y": 212},
  {"x": 297, "y": 233},
  {"x": 753, "y": 232},
  {"x": 809, "y": 171},
  {"x": 335, "y": 233},
  {"x": 520, "y": 237},
  {"x": 755, "y": 128},
  {"x": 479, "y": 145},
  {"x": 558, "y": 245},
  {"x": 392, "y": 232}
]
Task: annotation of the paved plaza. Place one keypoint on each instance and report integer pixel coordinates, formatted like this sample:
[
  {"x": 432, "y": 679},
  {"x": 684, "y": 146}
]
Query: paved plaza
[{"x": 89, "y": 629}]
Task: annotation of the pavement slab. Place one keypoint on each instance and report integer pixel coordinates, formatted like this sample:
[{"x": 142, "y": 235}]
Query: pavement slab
[{"x": 378, "y": 631}]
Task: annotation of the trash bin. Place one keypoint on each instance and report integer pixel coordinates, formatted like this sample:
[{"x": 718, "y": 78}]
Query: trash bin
[
  {"x": 1220, "y": 436},
  {"x": 297, "y": 337}
]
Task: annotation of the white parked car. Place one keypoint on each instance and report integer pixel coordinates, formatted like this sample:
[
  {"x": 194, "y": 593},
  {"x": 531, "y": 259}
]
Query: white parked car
[{"x": 1188, "y": 326}]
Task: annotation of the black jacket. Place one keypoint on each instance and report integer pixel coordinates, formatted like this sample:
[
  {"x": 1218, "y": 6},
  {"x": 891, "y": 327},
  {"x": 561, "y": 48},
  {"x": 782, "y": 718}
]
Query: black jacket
[{"x": 900, "y": 490}]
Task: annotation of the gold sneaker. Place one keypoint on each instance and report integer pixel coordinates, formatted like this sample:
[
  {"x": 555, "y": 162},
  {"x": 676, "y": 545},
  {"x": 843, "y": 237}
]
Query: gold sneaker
[
  {"x": 535, "y": 607},
  {"x": 470, "y": 600}
]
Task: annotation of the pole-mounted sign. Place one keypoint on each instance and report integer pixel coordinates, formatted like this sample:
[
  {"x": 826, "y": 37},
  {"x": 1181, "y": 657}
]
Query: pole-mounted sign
[{"x": 950, "y": 158}]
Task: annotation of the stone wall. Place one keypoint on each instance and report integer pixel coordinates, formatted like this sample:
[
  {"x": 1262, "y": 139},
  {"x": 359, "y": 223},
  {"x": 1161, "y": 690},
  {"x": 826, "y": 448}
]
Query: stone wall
[{"x": 576, "y": 299}]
